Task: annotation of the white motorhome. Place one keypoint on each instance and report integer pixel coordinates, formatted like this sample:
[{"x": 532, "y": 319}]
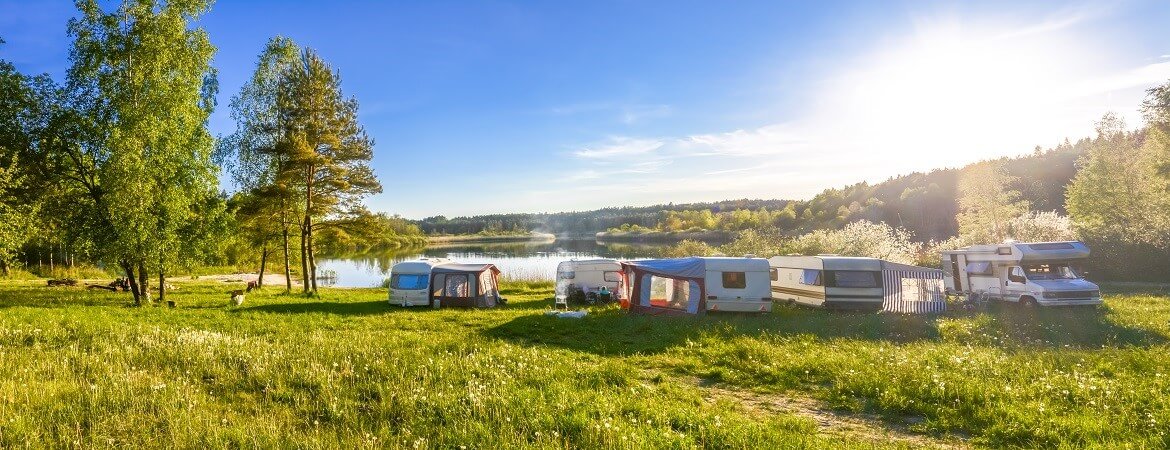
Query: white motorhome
[
  {"x": 828, "y": 281},
  {"x": 410, "y": 281},
  {"x": 1030, "y": 273},
  {"x": 737, "y": 285},
  {"x": 589, "y": 276}
]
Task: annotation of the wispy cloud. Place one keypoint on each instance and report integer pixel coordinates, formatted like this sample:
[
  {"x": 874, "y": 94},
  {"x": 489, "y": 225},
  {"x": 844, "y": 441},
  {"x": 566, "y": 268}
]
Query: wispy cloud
[
  {"x": 624, "y": 112},
  {"x": 619, "y": 147}
]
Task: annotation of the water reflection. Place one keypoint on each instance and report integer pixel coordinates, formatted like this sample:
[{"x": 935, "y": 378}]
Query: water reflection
[{"x": 528, "y": 260}]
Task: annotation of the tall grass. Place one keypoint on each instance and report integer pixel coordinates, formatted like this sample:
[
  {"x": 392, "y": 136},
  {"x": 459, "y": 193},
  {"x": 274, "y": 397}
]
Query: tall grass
[{"x": 79, "y": 369}]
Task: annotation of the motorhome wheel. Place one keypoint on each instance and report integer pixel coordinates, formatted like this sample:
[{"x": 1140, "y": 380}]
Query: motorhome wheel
[{"x": 1028, "y": 302}]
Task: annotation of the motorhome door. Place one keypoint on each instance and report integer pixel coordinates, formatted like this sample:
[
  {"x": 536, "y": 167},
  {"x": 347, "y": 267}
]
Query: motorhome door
[{"x": 1016, "y": 283}]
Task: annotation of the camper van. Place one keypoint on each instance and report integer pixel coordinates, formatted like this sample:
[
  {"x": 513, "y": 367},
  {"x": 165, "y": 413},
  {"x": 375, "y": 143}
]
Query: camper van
[
  {"x": 410, "y": 281},
  {"x": 589, "y": 276},
  {"x": 828, "y": 281},
  {"x": 695, "y": 285},
  {"x": 1034, "y": 273}
]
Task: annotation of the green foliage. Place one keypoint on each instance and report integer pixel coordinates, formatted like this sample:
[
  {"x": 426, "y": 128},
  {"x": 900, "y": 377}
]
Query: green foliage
[
  {"x": 689, "y": 247},
  {"x": 987, "y": 203},
  {"x": 149, "y": 88},
  {"x": 1118, "y": 203}
]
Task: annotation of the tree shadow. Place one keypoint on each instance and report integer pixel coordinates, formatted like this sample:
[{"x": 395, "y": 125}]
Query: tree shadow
[
  {"x": 1059, "y": 327},
  {"x": 609, "y": 331},
  {"x": 338, "y": 308}
]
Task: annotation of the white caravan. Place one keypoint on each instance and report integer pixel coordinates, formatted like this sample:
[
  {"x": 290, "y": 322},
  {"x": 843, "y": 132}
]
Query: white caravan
[
  {"x": 589, "y": 276},
  {"x": 1036, "y": 273},
  {"x": 737, "y": 284},
  {"x": 829, "y": 281},
  {"x": 410, "y": 281}
]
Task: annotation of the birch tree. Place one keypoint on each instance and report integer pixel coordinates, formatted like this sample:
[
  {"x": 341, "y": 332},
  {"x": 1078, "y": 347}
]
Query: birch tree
[
  {"x": 143, "y": 84},
  {"x": 255, "y": 154}
]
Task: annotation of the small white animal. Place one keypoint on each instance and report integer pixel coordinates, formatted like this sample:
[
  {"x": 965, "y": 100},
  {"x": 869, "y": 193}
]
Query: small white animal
[{"x": 238, "y": 297}]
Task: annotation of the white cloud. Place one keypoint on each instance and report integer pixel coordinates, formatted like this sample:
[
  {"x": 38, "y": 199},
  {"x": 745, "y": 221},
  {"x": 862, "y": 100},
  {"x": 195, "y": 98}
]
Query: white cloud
[{"x": 618, "y": 148}]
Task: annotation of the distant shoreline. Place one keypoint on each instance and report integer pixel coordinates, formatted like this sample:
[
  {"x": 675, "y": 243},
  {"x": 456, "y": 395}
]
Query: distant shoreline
[
  {"x": 666, "y": 236},
  {"x": 472, "y": 238}
]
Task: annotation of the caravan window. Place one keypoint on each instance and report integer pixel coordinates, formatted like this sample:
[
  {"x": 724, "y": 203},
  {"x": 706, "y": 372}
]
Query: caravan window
[
  {"x": 811, "y": 277},
  {"x": 734, "y": 280},
  {"x": 567, "y": 275},
  {"x": 853, "y": 279},
  {"x": 409, "y": 281},
  {"x": 979, "y": 268},
  {"x": 775, "y": 274},
  {"x": 612, "y": 276}
]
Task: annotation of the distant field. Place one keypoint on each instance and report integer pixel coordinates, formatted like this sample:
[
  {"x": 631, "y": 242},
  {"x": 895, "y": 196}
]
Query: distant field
[{"x": 80, "y": 369}]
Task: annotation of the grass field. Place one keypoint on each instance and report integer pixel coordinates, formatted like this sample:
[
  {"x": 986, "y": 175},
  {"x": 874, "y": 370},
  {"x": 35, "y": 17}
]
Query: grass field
[{"x": 80, "y": 369}]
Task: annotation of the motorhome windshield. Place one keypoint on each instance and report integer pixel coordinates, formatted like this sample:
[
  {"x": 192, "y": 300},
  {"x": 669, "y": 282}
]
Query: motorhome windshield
[{"x": 1059, "y": 271}]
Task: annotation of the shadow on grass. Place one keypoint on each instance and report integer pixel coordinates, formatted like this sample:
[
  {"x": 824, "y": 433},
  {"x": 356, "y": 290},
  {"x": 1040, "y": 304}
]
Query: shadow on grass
[
  {"x": 610, "y": 331},
  {"x": 1079, "y": 327},
  {"x": 339, "y": 308}
]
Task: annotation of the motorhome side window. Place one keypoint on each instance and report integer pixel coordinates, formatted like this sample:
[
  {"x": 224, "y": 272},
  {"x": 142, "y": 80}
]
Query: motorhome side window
[
  {"x": 979, "y": 268},
  {"x": 853, "y": 279},
  {"x": 612, "y": 276},
  {"x": 568, "y": 275},
  {"x": 811, "y": 277},
  {"x": 734, "y": 280}
]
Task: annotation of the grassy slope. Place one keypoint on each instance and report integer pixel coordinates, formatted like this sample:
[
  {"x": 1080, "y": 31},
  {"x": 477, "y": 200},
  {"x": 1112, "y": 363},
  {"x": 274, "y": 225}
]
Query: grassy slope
[{"x": 79, "y": 368}]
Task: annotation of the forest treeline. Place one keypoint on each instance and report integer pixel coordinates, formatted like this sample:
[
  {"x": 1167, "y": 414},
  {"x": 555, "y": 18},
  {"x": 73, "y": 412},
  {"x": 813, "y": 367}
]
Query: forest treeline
[{"x": 926, "y": 204}]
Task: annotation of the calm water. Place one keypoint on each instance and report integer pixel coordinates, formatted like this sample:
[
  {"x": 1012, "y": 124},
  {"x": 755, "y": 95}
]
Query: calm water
[{"x": 515, "y": 260}]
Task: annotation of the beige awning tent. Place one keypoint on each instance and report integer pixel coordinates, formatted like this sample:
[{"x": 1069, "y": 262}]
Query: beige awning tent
[{"x": 465, "y": 285}]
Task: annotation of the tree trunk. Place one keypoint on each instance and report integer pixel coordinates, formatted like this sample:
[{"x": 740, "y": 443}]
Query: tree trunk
[
  {"x": 162, "y": 287},
  {"x": 143, "y": 284},
  {"x": 130, "y": 278},
  {"x": 312, "y": 258},
  {"x": 304, "y": 262},
  {"x": 52, "y": 267},
  {"x": 263, "y": 262},
  {"x": 287, "y": 270}
]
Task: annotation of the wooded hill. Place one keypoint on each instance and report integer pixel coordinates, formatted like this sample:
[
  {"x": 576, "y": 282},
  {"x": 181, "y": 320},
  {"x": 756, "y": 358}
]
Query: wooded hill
[{"x": 924, "y": 203}]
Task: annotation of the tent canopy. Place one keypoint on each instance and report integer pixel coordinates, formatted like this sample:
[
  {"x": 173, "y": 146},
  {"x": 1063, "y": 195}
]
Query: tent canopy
[
  {"x": 465, "y": 285},
  {"x": 692, "y": 267},
  {"x": 473, "y": 268},
  {"x": 679, "y": 285}
]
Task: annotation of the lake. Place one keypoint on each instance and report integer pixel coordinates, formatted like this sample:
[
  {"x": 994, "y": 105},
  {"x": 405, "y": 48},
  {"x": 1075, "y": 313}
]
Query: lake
[{"x": 525, "y": 260}]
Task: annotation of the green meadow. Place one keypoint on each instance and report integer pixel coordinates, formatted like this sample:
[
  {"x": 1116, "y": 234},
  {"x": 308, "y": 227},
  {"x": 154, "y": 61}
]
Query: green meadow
[{"x": 80, "y": 368}]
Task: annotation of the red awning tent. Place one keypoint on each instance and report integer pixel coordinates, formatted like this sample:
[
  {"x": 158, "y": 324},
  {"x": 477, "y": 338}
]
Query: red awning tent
[
  {"x": 666, "y": 286},
  {"x": 465, "y": 285}
]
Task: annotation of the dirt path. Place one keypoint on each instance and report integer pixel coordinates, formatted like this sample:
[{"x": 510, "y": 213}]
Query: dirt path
[
  {"x": 270, "y": 279},
  {"x": 836, "y": 423}
]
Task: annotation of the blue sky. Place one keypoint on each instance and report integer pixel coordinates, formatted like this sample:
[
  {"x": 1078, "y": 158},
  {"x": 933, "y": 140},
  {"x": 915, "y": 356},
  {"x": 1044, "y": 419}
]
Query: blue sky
[{"x": 479, "y": 107}]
